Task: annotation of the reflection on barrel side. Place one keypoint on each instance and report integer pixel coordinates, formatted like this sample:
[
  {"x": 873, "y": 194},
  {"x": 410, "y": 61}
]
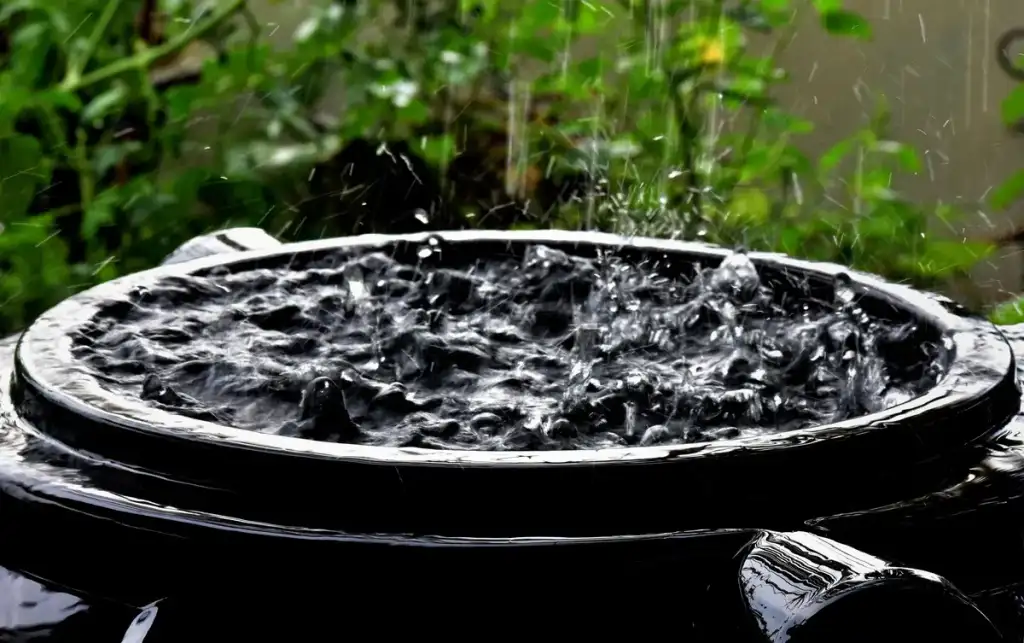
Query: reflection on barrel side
[
  {"x": 797, "y": 587},
  {"x": 31, "y": 611}
]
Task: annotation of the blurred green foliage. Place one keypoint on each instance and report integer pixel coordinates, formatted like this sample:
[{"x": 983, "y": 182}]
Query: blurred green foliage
[
  {"x": 128, "y": 126},
  {"x": 1008, "y": 193}
]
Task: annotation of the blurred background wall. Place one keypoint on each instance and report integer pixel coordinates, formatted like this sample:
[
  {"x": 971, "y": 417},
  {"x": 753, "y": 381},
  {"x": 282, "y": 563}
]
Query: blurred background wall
[{"x": 935, "y": 63}]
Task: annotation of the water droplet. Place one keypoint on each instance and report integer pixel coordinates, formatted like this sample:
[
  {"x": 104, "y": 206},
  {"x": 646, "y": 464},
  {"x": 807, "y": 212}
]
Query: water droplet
[
  {"x": 844, "y": 290},
  {"x": 737, "y": 275},
  {"x": 421, "y": 216},
  {"x": 630, "y": 419}
]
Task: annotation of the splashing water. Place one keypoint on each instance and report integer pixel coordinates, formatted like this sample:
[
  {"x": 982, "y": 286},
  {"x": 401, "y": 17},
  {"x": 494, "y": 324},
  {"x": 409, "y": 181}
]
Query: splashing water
[{"x": 545, "y": 350}]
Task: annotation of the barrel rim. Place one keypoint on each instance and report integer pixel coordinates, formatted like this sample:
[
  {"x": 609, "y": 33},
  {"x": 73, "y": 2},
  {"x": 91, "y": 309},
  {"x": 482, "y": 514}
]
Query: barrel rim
[{"x": 979, "y": 384}]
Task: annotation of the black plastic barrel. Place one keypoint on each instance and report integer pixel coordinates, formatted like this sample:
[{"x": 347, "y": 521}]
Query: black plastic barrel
[
  {"x": 198, "y": 519},
  {"x": 730, "y": 483}
]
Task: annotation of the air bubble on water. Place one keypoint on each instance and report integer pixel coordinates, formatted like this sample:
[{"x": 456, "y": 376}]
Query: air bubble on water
[{"x": 424, "y": 252}]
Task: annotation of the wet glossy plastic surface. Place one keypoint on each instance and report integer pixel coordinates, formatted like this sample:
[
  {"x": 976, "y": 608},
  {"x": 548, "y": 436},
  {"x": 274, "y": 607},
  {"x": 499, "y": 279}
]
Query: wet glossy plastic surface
[
  {"x": 981, "y": 366},
  {"x": 573, "y": 588},
  {"x": 225, "y": 241},
  {"x": 800, "y": 587},
  {"x": 729, "y": 483},
  {"x": 212, "y": 536},
  {"x": 780, "y": 588}
]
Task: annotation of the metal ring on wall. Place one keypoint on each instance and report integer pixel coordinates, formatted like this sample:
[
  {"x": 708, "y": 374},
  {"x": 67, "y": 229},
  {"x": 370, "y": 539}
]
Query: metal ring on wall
[{"x": 1006, "y": 41}]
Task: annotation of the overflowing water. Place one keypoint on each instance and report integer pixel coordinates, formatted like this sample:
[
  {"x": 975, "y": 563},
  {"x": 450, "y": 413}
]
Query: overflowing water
[{"x": 544, "y": 350}]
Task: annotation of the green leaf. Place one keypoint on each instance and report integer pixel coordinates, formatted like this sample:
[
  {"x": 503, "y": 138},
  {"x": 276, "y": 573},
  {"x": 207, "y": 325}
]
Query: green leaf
[
  {"x": 100, "y": 213},
  {"x": 540, "y": 14},
  {"x": 750, "y": 207},
  {"x": 943, "y": 257},
  {"x": 105, "y": 157},
  {"x": 15, "y": 98},
  {"x": 22, "y": 174},
  {"x": 905, "y": 154},
  {"x": 29, "y": 57},
  {"x": 524, "y": 225},
  {"x": 413, "y": 115},
  {"x": 57, "y": 99},
  {"x": 827, "y": 6},
  {"x": 880, "y": 227},
  {"x": 1012, "y": 312},
  {"x": 105, "y": 104},
  {"x": 590, "y": 17},
  {"x": 846, "y": 23},
  {"x": 876, "y": 191},
  {"x": 539, "y": 49},
  {"x": 590, "y": 68},
  {"x": 792, "y": 240},
  {"x": 831, "y": 159},
  {"x": 1013, "y": 106},
  {"x": 1008, "y": 192},
  {"x": 438, "y": 150},
  {"x": 486, "y": 9}
]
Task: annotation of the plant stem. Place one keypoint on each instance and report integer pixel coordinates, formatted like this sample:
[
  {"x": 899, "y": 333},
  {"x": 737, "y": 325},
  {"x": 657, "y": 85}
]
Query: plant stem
[
  {"x": 778, "y": 48},
  {"x": 147, "y": 57},
  {"x": 86, "y": 181},
  {"x": 75, "y": 70},
  {"x": 689, "y": 140}
]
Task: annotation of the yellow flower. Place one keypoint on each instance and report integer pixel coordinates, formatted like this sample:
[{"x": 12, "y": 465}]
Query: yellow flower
[{"x": 712, "y": 52}]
